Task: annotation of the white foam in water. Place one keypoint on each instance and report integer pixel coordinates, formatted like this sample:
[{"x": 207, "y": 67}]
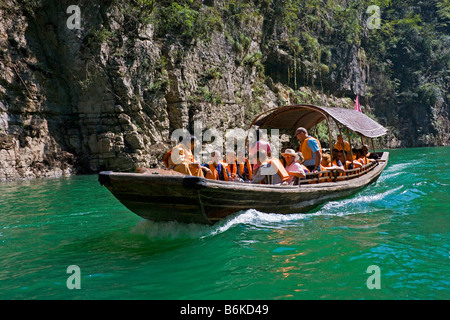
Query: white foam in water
[
  {"x": 356, "y": 205},
  {"x": 395, "y": 170},
  {"x": 252, "y": 217},
  {"x": 401, "y": 166},
  {"x": 397, "y": 167},
  {"x": 178, "y": 230},
  {"x": 256, "y": 218}
]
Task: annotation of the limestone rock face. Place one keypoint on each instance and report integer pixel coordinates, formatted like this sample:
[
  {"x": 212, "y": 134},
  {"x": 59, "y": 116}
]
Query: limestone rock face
[
  {"x": 108, "y": 96},
  {"x": 104, "y": 96}
]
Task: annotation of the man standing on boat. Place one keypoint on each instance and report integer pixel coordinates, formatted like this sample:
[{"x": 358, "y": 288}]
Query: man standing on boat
[{"x": 310, "y": 148}]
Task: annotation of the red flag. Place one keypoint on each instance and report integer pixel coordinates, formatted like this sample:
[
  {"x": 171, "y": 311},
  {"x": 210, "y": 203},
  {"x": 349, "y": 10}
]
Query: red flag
[{"x": 357, "y": 105}]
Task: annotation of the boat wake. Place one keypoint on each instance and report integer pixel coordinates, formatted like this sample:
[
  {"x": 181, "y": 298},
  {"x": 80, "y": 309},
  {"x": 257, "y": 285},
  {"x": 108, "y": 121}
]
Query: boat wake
[
  {"x": 177, "y": 230},
  {"x": 339, "y": 208},
  {"x": 361, "y": 203}
]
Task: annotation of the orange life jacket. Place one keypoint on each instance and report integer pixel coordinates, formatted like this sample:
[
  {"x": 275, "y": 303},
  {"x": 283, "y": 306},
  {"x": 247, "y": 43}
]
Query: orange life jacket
[
  {"x": 334, "y": 162},
  {"x": 214, "y": 175},
  {"x": 338, "y": 146},
  {"x": 166, "y": 159},
  {"x": 233, "y": 168},
  {"x": 325, "y": 173},
  {"x": 280, "y": 169},
  {"x": 362, "y": 161},
  {"x": 306, "y": 150},
  {"x": 242, "y": 168},
  {"x": 183, "y": 152}
]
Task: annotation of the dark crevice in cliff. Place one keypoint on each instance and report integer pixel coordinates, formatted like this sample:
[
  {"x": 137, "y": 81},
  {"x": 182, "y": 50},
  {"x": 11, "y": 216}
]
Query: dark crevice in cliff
[{"x": 111, "y": 93}]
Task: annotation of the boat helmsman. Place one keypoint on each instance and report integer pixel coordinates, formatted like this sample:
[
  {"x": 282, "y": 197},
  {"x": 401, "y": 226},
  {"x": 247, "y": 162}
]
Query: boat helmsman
[{"x": 310, "y": 148}]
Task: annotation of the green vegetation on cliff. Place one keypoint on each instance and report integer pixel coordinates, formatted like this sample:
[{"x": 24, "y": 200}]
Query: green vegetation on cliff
[
  {"x": 400, "y": 70},
  {"x": 410, "y": 60},
  {"x": 109, "y": 94}
]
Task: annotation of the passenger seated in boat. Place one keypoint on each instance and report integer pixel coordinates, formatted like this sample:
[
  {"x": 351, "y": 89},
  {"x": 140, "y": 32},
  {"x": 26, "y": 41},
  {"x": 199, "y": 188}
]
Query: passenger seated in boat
[
  {"x": 326, "y": 161},
  {"x": 342, "y": 157},
  {"x": 270, "y": 170},
  {"x": 230, "y": 159},
  {"x": 334, "y": 158},
  {"x": 360, "y": 160},
  {"x": 365, "y": 158},
  {"x": 243, "y": 167},
  {"x": 371, "y": 156},
  {"x": 181, "y": 159},
  {"x": 328, "y": 165},
  {"x": 293, "y": 168},
  {"x": 354, "y": 150},
  {"x": 342, "y": 144},
  {"x": 217, "y": 169},
  {"x": 336, "y": 163},
  {"x": 240, "y": 167}
]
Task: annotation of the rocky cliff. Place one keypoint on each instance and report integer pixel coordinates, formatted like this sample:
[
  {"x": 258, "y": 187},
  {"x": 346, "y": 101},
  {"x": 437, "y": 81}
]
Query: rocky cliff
[{"x": 109, "y": 94}]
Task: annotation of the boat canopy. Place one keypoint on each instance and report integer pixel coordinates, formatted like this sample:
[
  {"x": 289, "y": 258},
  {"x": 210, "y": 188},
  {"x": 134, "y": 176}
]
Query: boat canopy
[{"x": 307, "y": 116}]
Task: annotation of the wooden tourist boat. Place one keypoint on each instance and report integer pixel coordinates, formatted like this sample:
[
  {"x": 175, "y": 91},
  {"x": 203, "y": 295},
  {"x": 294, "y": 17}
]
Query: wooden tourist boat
[{"x": 166, "y": 195}]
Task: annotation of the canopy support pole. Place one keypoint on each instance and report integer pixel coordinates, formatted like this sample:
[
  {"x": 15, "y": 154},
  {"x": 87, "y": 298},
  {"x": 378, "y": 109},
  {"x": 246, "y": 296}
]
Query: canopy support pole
[
  {"x": 350, "y": 143},
  {"x": 329, "y": 137},
  {"x": 362, "y": 146},
  {"x": 340, "y": 132},
  {"x": 343, "y": 148}
]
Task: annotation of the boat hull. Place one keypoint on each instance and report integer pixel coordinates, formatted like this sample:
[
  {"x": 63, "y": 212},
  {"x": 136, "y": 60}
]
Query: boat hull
[{"x": 164, "y": 196}]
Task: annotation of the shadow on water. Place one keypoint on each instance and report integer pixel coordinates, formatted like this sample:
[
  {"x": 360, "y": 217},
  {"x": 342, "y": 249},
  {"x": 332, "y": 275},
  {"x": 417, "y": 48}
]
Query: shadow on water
[{"x": 129, "y": 244}]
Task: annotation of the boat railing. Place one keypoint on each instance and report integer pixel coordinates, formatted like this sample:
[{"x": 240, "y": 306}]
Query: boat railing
[{"x": 335, "y": 175}]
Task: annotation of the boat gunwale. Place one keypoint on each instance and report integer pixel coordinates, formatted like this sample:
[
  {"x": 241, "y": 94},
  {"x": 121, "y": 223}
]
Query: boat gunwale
[{"x": 361, "y": 180}]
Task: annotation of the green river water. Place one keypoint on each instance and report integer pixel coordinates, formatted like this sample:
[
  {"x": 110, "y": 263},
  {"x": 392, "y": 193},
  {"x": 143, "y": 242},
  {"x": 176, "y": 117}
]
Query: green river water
[{"x": 400, "y": 224}]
